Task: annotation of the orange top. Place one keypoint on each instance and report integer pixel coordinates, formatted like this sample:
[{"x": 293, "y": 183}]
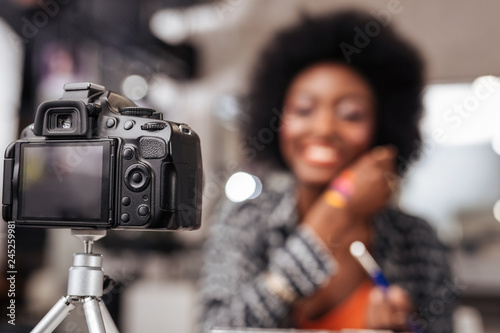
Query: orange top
[{"x": 351, "y": 313}]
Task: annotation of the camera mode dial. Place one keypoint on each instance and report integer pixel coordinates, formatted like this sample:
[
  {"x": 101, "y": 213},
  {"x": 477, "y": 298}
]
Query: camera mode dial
[{"x": 137, "y": 111}]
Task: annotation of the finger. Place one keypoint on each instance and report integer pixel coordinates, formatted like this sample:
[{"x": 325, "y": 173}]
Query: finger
[
  {"x": 399, "y": 299},
  {"x": 393, "y": 181},
  {"x": 385, "y": 157},
  {"x": 377, "y": 296},
  {"x": 398, "y": 320},
  {"x": 380, "y": 314},
  {"x": 400, "y": 305},
  {"x": 382, "y": 153}
]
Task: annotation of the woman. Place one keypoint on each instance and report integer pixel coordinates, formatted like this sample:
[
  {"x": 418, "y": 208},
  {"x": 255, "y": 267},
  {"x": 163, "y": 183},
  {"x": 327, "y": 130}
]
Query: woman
[{"x": 348, "y": 99}]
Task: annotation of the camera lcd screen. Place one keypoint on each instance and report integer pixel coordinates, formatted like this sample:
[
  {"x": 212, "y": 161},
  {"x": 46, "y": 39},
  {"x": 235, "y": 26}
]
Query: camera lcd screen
[{"x": 65, "y": 181}]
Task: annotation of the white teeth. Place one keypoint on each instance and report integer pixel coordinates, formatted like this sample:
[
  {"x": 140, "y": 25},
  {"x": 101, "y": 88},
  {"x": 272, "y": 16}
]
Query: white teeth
[{"x": 320, "y": 154}]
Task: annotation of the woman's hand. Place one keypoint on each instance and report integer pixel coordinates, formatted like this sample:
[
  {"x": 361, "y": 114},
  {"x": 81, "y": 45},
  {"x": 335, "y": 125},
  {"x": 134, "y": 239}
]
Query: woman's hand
[
  {"x": 372, "y": 189},
  {"x": 388, "y": 309},
  {"x": 370, "y": 192}
]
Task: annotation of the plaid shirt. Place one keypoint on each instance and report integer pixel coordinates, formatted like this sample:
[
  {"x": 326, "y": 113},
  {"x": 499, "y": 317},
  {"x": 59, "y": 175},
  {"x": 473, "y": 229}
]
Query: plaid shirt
[{"x": 249, "y": 240}]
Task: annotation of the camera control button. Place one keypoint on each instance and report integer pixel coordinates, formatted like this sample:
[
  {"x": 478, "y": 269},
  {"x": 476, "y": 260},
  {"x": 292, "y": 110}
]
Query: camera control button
[
  {"x": 126, "y": 201},
  {"x": 128, "y": 153},
  {"x": 128, "y": 125},
  {"x": 110, "y": 123},
  {"x": 143, "y": 210},
  {"x": 136, "y": 177},
  {"x": 125, "y": 217}
]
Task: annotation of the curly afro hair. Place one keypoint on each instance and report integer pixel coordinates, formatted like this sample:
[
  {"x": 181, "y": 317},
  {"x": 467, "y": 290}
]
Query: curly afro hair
[{"x": 393, "y": 68}]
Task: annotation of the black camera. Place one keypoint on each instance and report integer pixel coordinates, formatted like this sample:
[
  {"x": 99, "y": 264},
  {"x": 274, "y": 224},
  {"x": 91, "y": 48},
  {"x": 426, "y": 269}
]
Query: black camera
[{"x": 94, "y": 159}]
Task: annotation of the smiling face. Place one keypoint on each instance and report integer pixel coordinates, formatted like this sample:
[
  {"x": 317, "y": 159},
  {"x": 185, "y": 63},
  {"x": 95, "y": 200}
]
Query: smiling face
[{"x": 328, "y": 120}]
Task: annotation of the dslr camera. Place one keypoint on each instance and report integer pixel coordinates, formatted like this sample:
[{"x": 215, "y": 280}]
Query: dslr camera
[{"x": 95, "y": 160}]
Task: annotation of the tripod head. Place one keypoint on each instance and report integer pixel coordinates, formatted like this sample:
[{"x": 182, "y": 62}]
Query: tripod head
[{"x": 88, "y": 237}]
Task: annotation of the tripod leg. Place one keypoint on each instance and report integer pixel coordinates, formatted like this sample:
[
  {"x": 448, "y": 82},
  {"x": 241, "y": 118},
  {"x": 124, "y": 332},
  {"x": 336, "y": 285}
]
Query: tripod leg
[
  {"x": 108, "y": 321},
  {"x": 93, "y": 315},
  {"x": 55, "y": 316}
]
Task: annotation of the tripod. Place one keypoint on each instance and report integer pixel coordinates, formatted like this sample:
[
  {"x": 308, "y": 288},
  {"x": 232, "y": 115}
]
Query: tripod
[{"x": 85, "y": 284}]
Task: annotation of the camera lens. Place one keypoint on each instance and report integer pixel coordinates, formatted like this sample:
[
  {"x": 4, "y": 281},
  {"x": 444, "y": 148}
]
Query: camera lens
[{"x": 64, "y": 121}]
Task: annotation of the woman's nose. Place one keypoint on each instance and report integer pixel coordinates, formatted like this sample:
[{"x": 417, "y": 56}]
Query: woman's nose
[{"x": 326, "y": 124}]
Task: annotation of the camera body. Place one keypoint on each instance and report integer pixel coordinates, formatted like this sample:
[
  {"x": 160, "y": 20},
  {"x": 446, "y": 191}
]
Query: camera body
[{"x": 94, "y": 159}]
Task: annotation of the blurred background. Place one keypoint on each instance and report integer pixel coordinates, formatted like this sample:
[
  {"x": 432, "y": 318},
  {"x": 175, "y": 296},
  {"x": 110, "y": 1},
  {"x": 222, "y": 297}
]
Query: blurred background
[{"x": 192, "y": 60}]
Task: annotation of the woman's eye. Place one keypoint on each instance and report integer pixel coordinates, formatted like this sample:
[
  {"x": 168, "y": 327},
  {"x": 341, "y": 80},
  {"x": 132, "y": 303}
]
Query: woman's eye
[
  {"x": 302, "y": 111},
  {"x": 353, "y": 116},
  {"x": 298, "y": 111}
]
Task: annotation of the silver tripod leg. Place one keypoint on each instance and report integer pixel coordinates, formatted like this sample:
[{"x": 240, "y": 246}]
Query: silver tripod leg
[
  {"x": 55, "y": 316},
  {"x": 85, "y": 286},
  {"x": 109, "y": 324},
  {"x": 93, "y": 315}
]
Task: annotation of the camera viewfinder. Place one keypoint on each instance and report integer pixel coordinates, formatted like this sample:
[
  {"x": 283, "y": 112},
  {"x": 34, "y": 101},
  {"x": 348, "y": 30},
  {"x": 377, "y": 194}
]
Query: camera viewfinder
[{"x": 64, "y": 121}]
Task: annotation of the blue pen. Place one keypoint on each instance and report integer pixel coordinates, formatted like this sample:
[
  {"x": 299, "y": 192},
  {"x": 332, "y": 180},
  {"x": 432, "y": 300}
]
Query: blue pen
[{"x": 359, "y": 252}]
